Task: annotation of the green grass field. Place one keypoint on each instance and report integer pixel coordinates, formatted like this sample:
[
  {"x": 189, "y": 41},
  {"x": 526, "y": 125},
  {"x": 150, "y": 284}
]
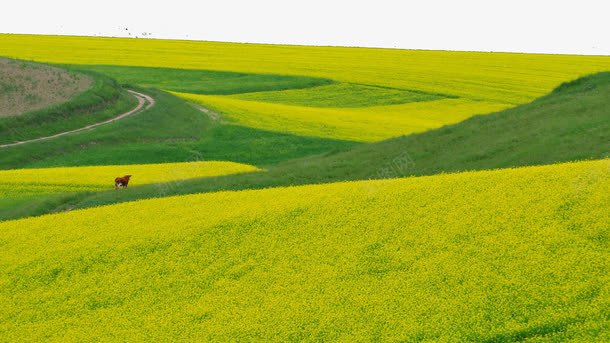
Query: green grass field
[
  {"x": 206, "y": 81},
  {"x": 187, "y": 134},
  {"x": 340, "y": 95},
  {"x": 291, "y": 193},
  {"x": 105, "y": 99},
  {"x": 572, "y": 123},
  {"x": 27, "y": 87},
  {"x": 100, "y": 98}
]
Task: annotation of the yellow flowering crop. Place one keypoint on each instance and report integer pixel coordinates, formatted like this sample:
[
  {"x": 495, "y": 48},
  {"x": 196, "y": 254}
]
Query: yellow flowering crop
[
  {"x": 482, "y": 82},
  {"x": 66, "y": 179},
  {"x": 366, "y": 124},
  {"x": 501, "y": 77},
  {"x": 505, "y": 255}
]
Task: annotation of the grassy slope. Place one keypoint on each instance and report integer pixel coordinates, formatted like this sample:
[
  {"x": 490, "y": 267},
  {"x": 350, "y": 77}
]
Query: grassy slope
[
  {"x": 27, "y": 86},
  {"x": 206, "y": 81},
  {"x": 572, "y": 123},
  {"x": 187, "y": 135},
  {"x": 103, "y": 100},
  {"x": 487, "y": 256}
]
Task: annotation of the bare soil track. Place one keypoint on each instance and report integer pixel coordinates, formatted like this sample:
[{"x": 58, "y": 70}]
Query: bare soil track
[{"x": 144, "y": 102}]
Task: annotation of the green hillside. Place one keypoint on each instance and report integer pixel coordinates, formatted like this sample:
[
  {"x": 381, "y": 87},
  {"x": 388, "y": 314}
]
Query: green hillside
[
  {"x": 27, "y": 86},
  {"x": 206, "y": 81},
  {"x": 187, "y": 134},
  {"x": 572, "y": 123},
  {"x": 48, "y": 100}
]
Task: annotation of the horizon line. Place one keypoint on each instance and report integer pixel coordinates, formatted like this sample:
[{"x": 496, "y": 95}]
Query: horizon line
[{"x": 295, "y": 44}]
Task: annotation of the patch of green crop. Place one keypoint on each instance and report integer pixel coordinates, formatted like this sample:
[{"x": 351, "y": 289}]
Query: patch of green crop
[
  {"x": 207, "y": 81},
  {"x": 341, "y": 95},
  {"x": 188, "y": 134}
]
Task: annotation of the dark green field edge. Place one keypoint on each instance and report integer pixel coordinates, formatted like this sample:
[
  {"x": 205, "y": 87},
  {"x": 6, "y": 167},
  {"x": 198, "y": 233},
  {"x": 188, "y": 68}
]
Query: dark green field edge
[
  {"x": 572, "y": 123},
  {"x": 104, "y": 100},
  {"x": 206, "y": 82}
]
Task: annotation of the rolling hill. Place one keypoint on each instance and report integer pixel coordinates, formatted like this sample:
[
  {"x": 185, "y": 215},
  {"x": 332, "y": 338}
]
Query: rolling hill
[
  {"x": 505, "y": 255},
  {"x": 291, "y": 193},
  {"x": 38, "y": 100},
  {"x": 473, "y": 83},
  {"x": 21, "y": 189},
  {"x": 26, "y": 87},
  {"x": 572, "y": 123},
  {"x": 497, "y": 77}
]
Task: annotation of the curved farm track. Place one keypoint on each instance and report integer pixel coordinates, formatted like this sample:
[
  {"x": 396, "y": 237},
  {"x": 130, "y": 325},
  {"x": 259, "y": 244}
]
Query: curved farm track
[{"x": 144, "y": 102}]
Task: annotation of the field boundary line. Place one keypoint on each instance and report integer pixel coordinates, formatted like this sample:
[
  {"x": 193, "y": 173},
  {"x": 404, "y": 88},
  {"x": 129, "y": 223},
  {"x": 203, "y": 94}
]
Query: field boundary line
[{"x": 143, "y": 99}]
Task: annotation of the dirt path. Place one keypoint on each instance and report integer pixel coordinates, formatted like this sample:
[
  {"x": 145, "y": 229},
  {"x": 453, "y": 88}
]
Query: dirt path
[
  {"x": 211, "y": 114},
  {"x": 143, "y": 100}
]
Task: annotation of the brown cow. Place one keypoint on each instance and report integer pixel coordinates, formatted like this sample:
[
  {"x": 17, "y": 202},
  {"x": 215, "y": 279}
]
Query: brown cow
[{"x": 121, "y": 181}]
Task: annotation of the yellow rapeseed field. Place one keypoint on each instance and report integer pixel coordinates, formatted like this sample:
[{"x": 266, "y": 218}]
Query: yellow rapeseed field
[
  {"x": 482, "y": 82},
  {"x": 505, "y": 255},
  {"x": 502, "y": 77},
  {"x": 366, "y": 124},
  {"x": 20, "y": 182}
]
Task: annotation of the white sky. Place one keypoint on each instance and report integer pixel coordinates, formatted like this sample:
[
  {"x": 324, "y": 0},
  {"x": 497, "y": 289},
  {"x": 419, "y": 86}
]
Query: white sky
[{"x": 576, "y": 26}]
